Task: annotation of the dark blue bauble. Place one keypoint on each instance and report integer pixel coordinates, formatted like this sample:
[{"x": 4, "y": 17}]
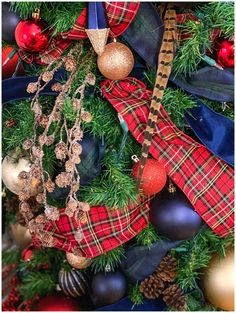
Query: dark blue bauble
[
  {"x": 108, "y": 287},
  {"x": 9, "y": 21},
  {"x": 173, "y": 216}
]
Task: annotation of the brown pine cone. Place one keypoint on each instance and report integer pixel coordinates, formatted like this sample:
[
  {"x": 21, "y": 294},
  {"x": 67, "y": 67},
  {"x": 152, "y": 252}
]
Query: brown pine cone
[
  {"x": 57, "y": 87},
  {"x": 70, "y": 63},
  {"x": 151, "y": 287},
  {"x": 63, "y": 179},
  {"x": 47, "y": 76},
  {"x": 61, "y": 150},
  {"x": 43, "y": 120},
  {"x": 166, "y": 269},
  {"x": 32, "y": 87},
  {"x": 10, "y": 123},
  {"x": 173, "y": 297}
]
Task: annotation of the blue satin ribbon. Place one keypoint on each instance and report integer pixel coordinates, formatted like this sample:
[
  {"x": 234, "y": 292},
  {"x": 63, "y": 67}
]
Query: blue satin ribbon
[
  {"x": 96, "y": 18},
  {"x": 214, "y": 130}
]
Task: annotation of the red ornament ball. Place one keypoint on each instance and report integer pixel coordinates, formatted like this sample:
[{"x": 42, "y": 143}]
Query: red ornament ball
[
  {"x": 154, "y": 176},
  {"x": 225, "y": 53},
  {"x": 32, "y": 35},
  {"x": 9, "y": 68},
  {"x": 27, "y": 254},
  {"x": 57, "y": 301}
]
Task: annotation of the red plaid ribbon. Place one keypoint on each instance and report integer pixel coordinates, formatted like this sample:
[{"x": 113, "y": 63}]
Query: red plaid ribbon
[
  {"x": 120, "y": 15},
  {"x": 206, "y": 180},
  {"x": 103, "y": 229}
]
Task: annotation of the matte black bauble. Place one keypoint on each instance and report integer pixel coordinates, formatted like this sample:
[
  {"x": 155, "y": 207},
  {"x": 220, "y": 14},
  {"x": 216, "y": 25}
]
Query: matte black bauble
[
  {"x": 173, "y": 216},
  {"x": 9, "y": 21},
  {"x": 89, "y": 167},
  {"x": 108, "y": 288}
]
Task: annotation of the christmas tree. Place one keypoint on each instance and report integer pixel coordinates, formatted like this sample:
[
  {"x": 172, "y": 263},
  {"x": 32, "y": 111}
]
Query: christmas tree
[{"x": 117, "y": 146}]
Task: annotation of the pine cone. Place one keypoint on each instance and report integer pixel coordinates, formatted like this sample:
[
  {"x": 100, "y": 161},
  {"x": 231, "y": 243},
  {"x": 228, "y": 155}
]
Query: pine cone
[
  {"x": 166, "y": 269},
  {"x": 151, "y": 287},
  {"x": 70, "y": 63},
  {"x": 47, "y": 76},
  {"x": 43, "y": 120},
  {"x": 63, "y": 179},
  {"x": 61, "y": 150},
  {"x": 10, "y": 123},
  {"x": 173, "y": 297},
  {"x": 57, "y": 87},
  {"x": 32, "y": 87}
]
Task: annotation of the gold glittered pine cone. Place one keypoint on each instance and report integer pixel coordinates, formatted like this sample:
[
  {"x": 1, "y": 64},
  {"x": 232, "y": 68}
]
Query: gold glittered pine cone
[
  {"x": 167, "y": 269},
  {"x": 151, "y": 287},
  {"x": 174, "y": 298}
]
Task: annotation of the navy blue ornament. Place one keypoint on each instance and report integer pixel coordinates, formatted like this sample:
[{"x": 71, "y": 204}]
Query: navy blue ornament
[
  {"x": 173, "y": 216},
  {"x": 10, "y": 20},
  {"x": 108, "y": 287}
]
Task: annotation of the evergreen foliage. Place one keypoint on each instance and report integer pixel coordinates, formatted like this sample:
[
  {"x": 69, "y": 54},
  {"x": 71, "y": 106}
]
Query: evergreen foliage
[
  {"x": 109, "y": 260},
  {"x": 135, "y": 295},
  {"x": 147, "y": 236}
]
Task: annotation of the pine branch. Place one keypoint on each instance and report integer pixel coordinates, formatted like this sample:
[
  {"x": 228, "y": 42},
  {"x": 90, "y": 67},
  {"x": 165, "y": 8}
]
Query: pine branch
[
  {"x": 219, "y": 15},
  {"x": 227, "y": 111},
  {"x": 147, "y": 236},
  {"x": 25, "y": 9},
  {"x": 109, "y": 259},
  {"x": 192, "y": 49},
  {"x": 37, "y": 283},
  {"x": 135, "y": 295},
  {"x": 11, "y": 257}
]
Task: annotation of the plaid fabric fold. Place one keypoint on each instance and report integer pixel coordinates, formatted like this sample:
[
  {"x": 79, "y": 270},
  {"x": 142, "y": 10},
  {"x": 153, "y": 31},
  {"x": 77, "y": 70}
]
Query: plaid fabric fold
[
  {"x": 120, "y": 15},
  {"x": 206, "y": 180},
  {"x": 103, "y": 229}
]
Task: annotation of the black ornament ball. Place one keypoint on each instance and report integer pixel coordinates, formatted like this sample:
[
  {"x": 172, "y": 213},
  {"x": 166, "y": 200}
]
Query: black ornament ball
[
  {"x": 173, "y": 216},
  {"x": 89, "y": 167},
  {"x": 9, "y": 21},
  {"x": 108, "y": 287},
  {"x": 73, "y": 283}
]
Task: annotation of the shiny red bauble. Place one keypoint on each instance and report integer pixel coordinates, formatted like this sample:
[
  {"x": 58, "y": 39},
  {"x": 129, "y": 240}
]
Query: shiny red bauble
[
  {"x": 9, "y": 68},
  {"x": 32, "y": 35},
  {"x": 27, "y": 254},
  {"x": 225, "y": 53},
  {"x": 57, "y": 301},
  {"x": 154, "y": 176}
]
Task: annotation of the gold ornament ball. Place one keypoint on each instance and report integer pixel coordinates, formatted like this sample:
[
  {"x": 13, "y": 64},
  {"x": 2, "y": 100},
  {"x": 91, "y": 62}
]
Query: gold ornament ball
[
  {"x": 218, "y": 281},
  {"x": 77, "y": 262},
  {"x": 12, "y": 165},
  {"x": 21, "y": 234},
  {"x": 116, "y": 61}
]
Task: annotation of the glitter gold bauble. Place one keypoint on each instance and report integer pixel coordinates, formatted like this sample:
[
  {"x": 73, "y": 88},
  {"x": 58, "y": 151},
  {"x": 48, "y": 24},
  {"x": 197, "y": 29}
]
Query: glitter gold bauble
[
  {"x": 116, "y": 61},
  {"x": 218, "y": 281},
  {"x": 12, "y": 165},
  {"x": 77, "y": 262},
  {"x": 21, "y": 234}
]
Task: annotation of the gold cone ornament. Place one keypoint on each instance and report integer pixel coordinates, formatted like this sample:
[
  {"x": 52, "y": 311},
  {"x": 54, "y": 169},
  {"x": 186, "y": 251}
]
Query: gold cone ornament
[
  {"x": 98, "y": 38},
  {"x": 97, "y": 26},
  {"x": 218, "y": 281}
]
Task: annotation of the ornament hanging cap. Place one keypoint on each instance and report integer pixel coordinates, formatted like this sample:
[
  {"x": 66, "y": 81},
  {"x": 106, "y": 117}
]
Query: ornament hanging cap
[
  {"x": 36, "y": 14},
  {"x": 97, "y": 26}
]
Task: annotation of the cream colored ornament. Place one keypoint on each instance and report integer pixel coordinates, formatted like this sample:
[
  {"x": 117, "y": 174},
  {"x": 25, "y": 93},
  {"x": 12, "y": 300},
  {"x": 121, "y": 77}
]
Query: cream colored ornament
[
  {"x": 21, "y": 234},
  {"x": 77, "y": 262},
  {"x": 218, "y": 281},
  {"x": 12, "y": 165}
]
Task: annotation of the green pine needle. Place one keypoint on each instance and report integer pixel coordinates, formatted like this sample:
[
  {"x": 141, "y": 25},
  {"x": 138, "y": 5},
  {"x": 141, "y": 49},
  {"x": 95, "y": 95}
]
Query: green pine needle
[
  {"x": 11, "y": 257},
  {"x": 147, "y": 236},
  {"x": 110, "y": 259},
  {"x": 37, "y": 283},
  {"x": 135, "y": 295}
]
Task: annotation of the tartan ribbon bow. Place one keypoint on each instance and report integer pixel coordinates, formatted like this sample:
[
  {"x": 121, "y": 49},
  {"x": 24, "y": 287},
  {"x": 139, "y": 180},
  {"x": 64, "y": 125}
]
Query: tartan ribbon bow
[
  {"x": 119, "y": 14},
  {"x": 102, "y": 229},
  {"x": 206, "y": 180}
]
